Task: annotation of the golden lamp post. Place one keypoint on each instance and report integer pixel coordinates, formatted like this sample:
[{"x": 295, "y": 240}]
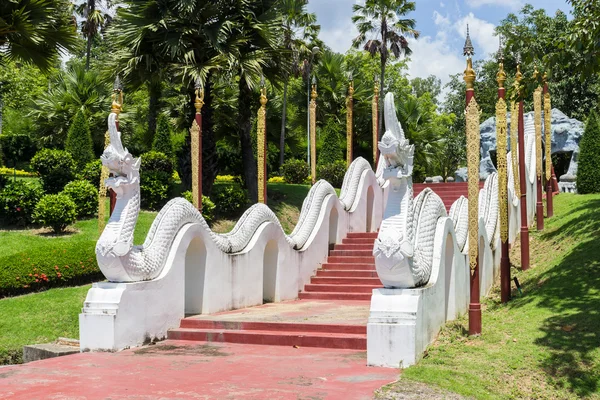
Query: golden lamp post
[
  {"x": 349, "y": 128},
  {"x": 313, "y": 131},
  {"x": 196, "y": 138},
  {"x": 472, "y": 114},
  {"x": 261, "y": 134},
  {"x": 501, "y": 156}
]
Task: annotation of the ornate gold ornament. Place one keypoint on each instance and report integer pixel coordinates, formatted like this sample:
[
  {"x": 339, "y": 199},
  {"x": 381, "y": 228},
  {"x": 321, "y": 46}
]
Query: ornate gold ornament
[
  {"x": 502, "y": 167},
  {"x": 262, "y": 145},
  {"x": 375, "y": 116},
  {"x": 548, "y": 132},
  {"x": 104, "y": 173},
  {"x": 473, "y": 114},
  {"x": 195, "y": 135},
  {"x": 313, "y": 132},
  {"x": 349, "y": 116},
  {"x": 199, "y": 101},
  {"x": 117, "y": 97},
  {"x": 537, "y": 113},
  {"x": 514, "y": 147}
]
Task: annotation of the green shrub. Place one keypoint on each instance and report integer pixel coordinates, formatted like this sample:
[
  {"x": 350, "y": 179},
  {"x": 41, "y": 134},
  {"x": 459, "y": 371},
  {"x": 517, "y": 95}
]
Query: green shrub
[
  {"x": 18, "y": 200},
  {"x": 56, "y": 168},
  {"x": 56, "y": 211},
  {"x": 85, "y": 197},
  {"x": 333, "y": 173},
  {"x": 79, "y": 140},
  {"x": 17, "y": 147},
  {"x": 230, "y": 200},
  {"x": 588, "y": 174},
  {"x": 331, "y": 148},
  {"x": 91, "y": 172},
  {"x": 163, "y": 141},
  {"x": 3, "y": 181},
  {"x": 208, "y": 207},
  {"x": 156, "y": 179},
  {"x": 295, "y": 171}
]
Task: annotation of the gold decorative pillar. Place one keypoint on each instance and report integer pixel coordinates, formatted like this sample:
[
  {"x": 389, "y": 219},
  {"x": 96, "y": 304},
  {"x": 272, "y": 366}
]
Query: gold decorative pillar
[
  {"x": 501, "y": 152},
  {"x": 514, "y": 152},
  {"x": 548, "y": 137},
  {"x": 104, "y": 174},
  {"x": 313, "y": 131},
  {"x": 349, "y": 111},
  {"x": 116, "y": 107},
  {"x": 375, "y": 113},
  {"x": 196, "y": 139},
  {"x": 261, "y": 134},
  {"x": 537, "y": 113}
]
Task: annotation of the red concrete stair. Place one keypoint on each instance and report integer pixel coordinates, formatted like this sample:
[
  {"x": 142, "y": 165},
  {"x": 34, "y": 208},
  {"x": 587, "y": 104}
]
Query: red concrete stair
[{"x": 349, "y": 273}]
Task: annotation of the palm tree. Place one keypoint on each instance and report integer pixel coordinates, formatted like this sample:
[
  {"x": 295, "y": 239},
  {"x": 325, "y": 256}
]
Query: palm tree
[
  {"x": 385, "y": 19},
  {"x": 299, "y": 30},
  {"x": 35, "y": 31},
  {"x": 96, "y": 17}
]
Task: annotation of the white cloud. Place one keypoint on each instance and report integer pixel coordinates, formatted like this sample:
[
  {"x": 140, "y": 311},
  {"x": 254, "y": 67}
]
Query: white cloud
[
  {"x": 512, "y": 4},
  {"x": 482, "y": 33},
  {"x": 339, "y": 38},
  {"x": 440, "y": 20},
  {"x": 442, "y": 5}
]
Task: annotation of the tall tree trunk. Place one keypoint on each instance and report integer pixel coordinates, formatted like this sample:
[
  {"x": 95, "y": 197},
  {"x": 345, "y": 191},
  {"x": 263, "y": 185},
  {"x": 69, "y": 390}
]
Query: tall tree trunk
[
  {"x": 91, "y": 7},
  {"x": 154, "y": 93},
  {"x": 244, "y": 130},
  {"x": 210, "y": 161},
  {"x": 283, "y": 115},
  {"x": 381, "y": 98}
]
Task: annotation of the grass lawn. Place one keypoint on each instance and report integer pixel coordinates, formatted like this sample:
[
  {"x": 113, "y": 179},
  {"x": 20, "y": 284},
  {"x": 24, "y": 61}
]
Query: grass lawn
[{"x": 544, "y": 344}]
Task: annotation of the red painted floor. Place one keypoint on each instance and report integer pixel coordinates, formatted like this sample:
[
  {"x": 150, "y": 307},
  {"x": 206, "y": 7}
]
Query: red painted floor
[{"x": 188, "y": 370}]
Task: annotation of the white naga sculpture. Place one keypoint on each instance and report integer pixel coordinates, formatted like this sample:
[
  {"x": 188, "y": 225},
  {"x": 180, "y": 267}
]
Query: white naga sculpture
[{"x": 404, "y": 247}]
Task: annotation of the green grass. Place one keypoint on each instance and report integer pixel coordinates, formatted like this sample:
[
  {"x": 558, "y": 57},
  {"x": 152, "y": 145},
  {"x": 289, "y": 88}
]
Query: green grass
[
  {"x": 38, "y": 318},
  {"x": 544, "y": 344}
]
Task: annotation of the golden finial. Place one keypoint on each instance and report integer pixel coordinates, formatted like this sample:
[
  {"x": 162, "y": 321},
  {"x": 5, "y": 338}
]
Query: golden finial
[
  {"x": 469, "y": 51},
  {"x": 376, "y": 86},
  {"x": 117, "y": 97},
  {"x": 350, "y": 84},
  {"x": 501, "y": 75},
  {"x": 199, "y": 89},
  {"x": 313, "y": 92},
  {"x": 263, "y": 92}
]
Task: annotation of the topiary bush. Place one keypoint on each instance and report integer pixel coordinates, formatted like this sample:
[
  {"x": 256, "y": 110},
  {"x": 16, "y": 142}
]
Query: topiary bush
[
  {"x": 55, "y": 168},
  {"x": 18, "y": 200},
  {"x": 163, "y": 141},
  {"x": 91, "y": 172},
  {"x": 156, "y": 179},
  {"x": 85, "y": 197},
  {"x": 56, "y": 211},
  {"x": 230, "y": 200},
  {"x": 588, "y": 174},
  {"x": 79, "y": 140},
  {"x": 331, "y": 148},
  {"x": 333, "y": 173},
  {"x": 295, "y": 171},
  {"x": 208, "y": 207}
]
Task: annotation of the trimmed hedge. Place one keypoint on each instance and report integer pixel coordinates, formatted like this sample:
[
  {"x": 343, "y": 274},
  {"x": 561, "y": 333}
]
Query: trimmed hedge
[
  {"x": 56, "y": 168},
  {"x": 333, "y": 173},
  {"x": 156, "y": 179},
  {"x": 85, "y": 197},
  {"x": 208, "y": 207},
  {"x": 163, "y": 141},
  {"x": 588, "y": 174},
  {"x": 18, "y": 200},
  {"x": 295, "y": 171},
  {"x": 79, "y": 140},
  {"x": 56, "y": 211},
  {"x": 230, "y": 200}
]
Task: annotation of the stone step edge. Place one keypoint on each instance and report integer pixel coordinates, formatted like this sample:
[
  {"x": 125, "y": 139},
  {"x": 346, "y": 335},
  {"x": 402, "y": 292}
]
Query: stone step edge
[{"x": 191, "y": 323}]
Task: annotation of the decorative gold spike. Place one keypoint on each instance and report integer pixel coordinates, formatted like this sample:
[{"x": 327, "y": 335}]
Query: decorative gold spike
[
  {"x": 514, "y": 132},
  {"x": 374, "y": 118},
  {"x": 472, "y": 114},
  {"x": 501, "y": 76},
  {"x": 313, "y": 132},
  {"x": 196, "y": 137},
  {"x": 469, "y": 75},
  {"x": 262, "y": 146},
  {"x": 537, "y": 113},
  {"x": 102, "y": 198},
  {"x": 349, "y": 116},
  {"x": 501, "y": 152},
  {"x": 548, "y": 132}
]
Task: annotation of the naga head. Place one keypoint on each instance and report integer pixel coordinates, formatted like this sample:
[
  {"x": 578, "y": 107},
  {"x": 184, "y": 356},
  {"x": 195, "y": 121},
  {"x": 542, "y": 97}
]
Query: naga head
[
  {"x": 125, "y": 169},
  {"x": 394, "y": 146}
]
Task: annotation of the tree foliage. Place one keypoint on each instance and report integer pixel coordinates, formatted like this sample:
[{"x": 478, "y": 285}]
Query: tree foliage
[
  {"x": 79, "y": 141},
  {"x": 588, "y": 173}
]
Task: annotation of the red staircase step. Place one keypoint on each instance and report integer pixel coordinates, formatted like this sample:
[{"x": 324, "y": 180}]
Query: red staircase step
[
  {"x": 354, "y": 246},
  {"x": 360, "y": 253},
  {"x": 358, "y": 241},
  {"x": 340, "y": 288},
  {"x": 273, "y": 338},
  {"x": 350, "y": 266},
  {"x": 351, "y": 259},
  {"x": 362, "y": 235},
  {"x": 197, "y": 323},
  {"x": 347, "y": 273},
  {"x": 334, "y": 296},
  {"x": 345, "y": 280}
]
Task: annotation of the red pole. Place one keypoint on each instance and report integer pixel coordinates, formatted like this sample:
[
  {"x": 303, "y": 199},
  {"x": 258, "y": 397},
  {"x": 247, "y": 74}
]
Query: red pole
[
  {"x": 504, "y": 256},
  {"x": 523, "y": 184},
  {"x": 539, "y": 206}
]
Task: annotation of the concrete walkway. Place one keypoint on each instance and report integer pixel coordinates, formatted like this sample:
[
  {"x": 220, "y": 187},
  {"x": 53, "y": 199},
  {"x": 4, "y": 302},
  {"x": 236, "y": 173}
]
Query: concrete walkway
[{"x": 192, "y": 370}]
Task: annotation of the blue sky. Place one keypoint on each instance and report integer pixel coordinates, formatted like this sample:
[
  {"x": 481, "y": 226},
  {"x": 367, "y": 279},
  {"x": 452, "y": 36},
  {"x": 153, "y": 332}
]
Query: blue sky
[{"x": 442, "y": 24}]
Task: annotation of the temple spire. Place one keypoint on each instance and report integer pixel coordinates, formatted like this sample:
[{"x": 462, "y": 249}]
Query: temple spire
[{"x": 468, "y": 50}]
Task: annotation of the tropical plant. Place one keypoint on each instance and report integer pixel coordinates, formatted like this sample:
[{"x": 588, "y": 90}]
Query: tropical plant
[
  {"x": 331, "y": 146},
  {"x": 156, "y": 179},
  {"x": 96, "y": 16},
  {"x": 386, "y": 19},
  {"x": 163, "y": 142},
  {"x": 295, "y": 171},
  {"x": 35, "y": 31},
  {"x": 79, "y": 141},
  {"x": 333, "y": 173}
]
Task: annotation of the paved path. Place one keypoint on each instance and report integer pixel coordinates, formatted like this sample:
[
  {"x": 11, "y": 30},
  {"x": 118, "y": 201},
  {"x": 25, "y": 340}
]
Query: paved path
[{"x": 191, "y": 370}]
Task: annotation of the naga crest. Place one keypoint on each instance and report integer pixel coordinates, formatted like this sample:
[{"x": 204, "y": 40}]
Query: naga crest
[
  {"x": 119, "y": 161},
  {"x": 394, "y": 146}
]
